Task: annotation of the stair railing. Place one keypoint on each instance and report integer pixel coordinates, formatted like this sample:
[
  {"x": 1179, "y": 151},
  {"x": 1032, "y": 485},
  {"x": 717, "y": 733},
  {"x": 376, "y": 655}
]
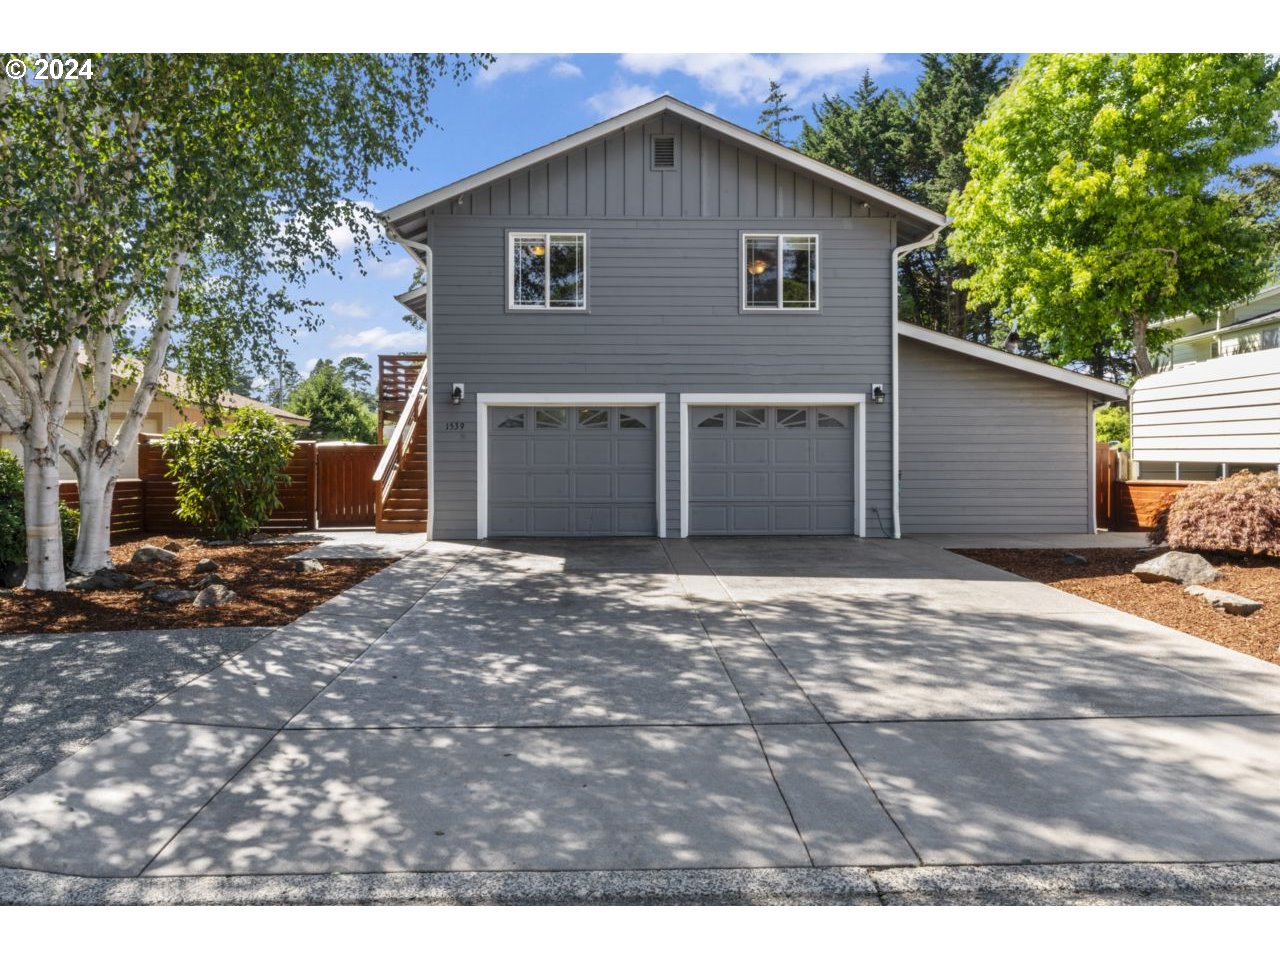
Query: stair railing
[{"x": 384, "y": 478}]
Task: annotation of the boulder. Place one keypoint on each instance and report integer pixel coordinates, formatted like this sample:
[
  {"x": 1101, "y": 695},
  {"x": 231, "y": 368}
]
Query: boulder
[
  {"x": 1074, "y": 560},
  {"x": 150, "y": 554},
  {"x": 104, "y": 579},
  {"x": 13, "y": 575},
  {"x": 173, "y": 546},
  {"x": 1176, "y": 567},
  {"x": 1231, "y": 603},
  {"x": 145, "y": 585},
  {"x": 206, "y": 566},
  {"x": 307, "y": 565},
  {"x": 173, "y": 596},
  {"x": 209, "y": 580},
  {"x": 214, "y": 595}
]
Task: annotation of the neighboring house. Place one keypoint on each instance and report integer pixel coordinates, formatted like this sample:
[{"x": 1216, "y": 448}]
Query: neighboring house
[
  {"x": 1214, "y": 407},
  {"x": 166, "y": 411},
  {"x": 666, "y": 324}
]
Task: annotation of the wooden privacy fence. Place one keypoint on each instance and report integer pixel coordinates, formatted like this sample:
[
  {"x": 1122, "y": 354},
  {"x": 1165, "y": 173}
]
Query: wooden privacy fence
[
  {"x": 1135, "y": 503},
  {"x": 126, "y": 506},
  {"x": 330, "y": 486}
]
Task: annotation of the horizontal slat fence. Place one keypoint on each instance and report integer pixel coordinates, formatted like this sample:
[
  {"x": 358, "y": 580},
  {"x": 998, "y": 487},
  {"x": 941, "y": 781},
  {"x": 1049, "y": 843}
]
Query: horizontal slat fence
[
  {"x": 1135, "y": 503},
  {"x": 127, "y": 514}
]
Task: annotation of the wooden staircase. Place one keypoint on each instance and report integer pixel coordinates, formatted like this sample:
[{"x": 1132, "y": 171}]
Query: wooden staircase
[{"x": 400, "y": 481}]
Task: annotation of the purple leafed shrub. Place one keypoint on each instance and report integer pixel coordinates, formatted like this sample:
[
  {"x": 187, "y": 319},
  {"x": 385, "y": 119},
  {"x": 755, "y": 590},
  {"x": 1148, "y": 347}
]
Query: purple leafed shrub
[{"x": 1240, "y": 514}]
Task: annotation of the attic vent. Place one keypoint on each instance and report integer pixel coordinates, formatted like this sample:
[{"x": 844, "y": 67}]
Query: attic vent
[{"x": 664, "y": 153}]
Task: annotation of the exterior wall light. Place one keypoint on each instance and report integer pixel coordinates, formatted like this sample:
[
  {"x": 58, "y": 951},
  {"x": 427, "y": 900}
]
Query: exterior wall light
[
  {"x": 456, "y": 396},
  {"x": 877, "y": 393}
]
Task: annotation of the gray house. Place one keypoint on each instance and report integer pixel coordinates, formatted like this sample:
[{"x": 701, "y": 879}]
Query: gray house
[{"x": 668, "y": 325}]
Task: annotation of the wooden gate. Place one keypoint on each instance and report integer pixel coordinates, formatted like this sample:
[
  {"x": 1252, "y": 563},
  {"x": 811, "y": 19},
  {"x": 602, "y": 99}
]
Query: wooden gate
[
  {"x": 344, "y": 485},
  {"x": 1108, "y": 474}
]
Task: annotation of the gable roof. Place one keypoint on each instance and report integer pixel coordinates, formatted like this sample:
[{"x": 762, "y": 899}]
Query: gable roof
[
  {"x": 1039, "y": 368},
  {"x": 175, "y": 386},
  {"x": 724, "y": 128}
]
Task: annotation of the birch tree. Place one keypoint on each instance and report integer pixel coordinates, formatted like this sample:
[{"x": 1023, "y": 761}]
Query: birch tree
[{"x": 157, "y": 215}]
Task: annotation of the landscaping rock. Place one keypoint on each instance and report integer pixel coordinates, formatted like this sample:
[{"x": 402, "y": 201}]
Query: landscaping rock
[
  {"x": 1176, "y": 567},
  {"x": 173, "y": 546},
  {"x": 104, "y": 579},
  {"x": 210, "y": 580},
  {"x": 13, "y": 575},
  {"x": 173, "y": 596},
  {"x": 206, "y": 566},
  {"x": 150, "y": 554},
  {"x": 1231, "y": 603},
  {"x": 214, "y": 595},
  {"x": 145, "y": 585},
  {"x": 1074, "y": 560},
  {"x": 306, "y": 566}
]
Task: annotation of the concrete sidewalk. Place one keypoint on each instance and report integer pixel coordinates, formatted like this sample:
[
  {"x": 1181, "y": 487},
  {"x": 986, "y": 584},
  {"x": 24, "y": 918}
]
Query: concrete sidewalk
[{"x": 822, "y": 704}]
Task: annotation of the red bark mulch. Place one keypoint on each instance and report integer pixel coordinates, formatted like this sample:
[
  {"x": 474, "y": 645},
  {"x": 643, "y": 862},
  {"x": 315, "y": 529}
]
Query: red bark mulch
[
  {"x": 269, "y": 592},
  {"x": 1108, "y": 579}
]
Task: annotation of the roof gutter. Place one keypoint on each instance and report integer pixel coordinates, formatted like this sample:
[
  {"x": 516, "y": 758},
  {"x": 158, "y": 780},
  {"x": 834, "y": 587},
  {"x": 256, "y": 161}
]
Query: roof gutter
[
  {"x": 424, "y": 257},
  {"x": 896, "y": 386}
]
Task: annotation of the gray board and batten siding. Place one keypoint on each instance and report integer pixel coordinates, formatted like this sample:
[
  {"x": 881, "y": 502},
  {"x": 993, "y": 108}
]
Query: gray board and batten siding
[
  {"x": 663, "y": 296},
  {"x": 988, "y": 449}
]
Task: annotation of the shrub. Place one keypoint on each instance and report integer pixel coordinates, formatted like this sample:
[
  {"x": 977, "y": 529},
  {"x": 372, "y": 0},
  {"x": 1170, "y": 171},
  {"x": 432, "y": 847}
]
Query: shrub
[
  {"x": 1239, "y": 514},
  {"x": 13, "y": 521},
  {"x": 228, "y": 479},
  {"x": 1112, "y": 423}
]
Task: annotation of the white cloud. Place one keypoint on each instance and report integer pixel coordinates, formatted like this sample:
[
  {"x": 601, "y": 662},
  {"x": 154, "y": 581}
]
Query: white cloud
[
  {"x": 394, "y": 268},
  {"x": 564, "y": 68},
  {"x": 620, "y": 98},
  {"x": 744, "y": 77},
  {"x": 379, "y": 338},
  {"x": 350, "y": 309},
  {"x": 509, "y": 64}
]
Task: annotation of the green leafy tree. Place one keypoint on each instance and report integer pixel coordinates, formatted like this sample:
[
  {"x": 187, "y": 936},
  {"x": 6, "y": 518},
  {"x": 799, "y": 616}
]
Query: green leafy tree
[
  {"x": 777, "y": 114},
  {"x": 228, "y": 478},
  {"x": 1112, "y": 423},
  {"x": 185, "y": 196},
  {"x": 335, "y": 411},
  {"x": 357, "y": 374},
  {"x": 1096, "y": 204}
]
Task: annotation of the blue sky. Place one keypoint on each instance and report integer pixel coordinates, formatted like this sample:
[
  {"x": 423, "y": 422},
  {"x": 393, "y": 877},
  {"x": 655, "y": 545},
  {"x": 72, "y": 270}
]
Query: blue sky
[{"x": 526, "y": 100}]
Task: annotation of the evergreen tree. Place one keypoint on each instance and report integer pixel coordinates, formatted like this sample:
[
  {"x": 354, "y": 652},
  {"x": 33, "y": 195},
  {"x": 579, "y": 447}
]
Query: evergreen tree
[
  {"x": 777, "y": 113},
  {"x": 335, "y": 412},
  {"x": 357, "y": 374},
  {"x": 913, "y": 146}
]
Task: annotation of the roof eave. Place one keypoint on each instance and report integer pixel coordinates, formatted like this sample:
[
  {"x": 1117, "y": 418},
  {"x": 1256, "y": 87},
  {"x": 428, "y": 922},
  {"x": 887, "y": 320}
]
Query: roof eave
[
  {"x": 643, "y": 112},
  {"x": 1038, "y": 368}
]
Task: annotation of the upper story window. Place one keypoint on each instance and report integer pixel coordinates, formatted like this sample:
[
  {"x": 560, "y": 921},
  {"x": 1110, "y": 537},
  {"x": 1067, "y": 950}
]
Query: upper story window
[
  {"x": 548, "y": 271},
  {"x": 779, "y": 271}
]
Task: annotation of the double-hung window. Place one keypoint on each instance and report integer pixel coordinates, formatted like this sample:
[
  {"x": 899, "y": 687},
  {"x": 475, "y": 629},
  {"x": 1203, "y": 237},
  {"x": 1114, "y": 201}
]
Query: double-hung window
[
  {"x": 548, "y": 271},
  {"x": 779, "y": 271}
]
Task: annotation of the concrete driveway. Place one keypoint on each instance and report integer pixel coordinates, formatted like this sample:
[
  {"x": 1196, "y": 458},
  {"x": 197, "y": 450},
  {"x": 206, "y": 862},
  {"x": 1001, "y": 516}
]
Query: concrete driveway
[{"x": 623, "y": 705}]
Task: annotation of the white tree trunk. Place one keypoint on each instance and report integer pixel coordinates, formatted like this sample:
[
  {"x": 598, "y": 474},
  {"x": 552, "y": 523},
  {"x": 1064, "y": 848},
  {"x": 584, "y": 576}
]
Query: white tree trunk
[
  {"x": 45, "y": 569},
  {"x": 97, "y": 490}
]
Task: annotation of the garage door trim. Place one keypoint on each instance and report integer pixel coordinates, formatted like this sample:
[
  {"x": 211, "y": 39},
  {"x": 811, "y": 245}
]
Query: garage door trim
[
  {"x": 486, "y": 400},
  {"x": 855, "y": 400}
]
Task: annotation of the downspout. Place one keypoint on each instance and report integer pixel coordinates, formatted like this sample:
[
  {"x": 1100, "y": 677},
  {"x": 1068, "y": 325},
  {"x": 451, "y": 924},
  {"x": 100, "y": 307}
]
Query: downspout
[
  {"x": 893, "y": 372},
  {"x": 421, "y": 253}
]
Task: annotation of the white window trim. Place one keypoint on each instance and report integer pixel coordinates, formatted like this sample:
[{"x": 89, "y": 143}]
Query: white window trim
[
  {"x": 486, "y": 400},
  {"x": 545, "y": 306},
  {"x": 779, "y": 308},
  {"x": 856, "y": 400}
]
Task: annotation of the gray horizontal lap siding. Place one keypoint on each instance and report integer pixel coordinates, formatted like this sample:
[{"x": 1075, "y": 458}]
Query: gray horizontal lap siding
[
  {"x": 986, "y": 449},
  {"x": 664, "y": 317}
]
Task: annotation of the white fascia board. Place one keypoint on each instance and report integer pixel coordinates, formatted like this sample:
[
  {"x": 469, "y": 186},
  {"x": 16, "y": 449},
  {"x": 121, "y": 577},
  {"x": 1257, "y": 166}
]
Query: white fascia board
[
  {"x": 693, "y": 114},
  {"x": 1082, "y": 381}
]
